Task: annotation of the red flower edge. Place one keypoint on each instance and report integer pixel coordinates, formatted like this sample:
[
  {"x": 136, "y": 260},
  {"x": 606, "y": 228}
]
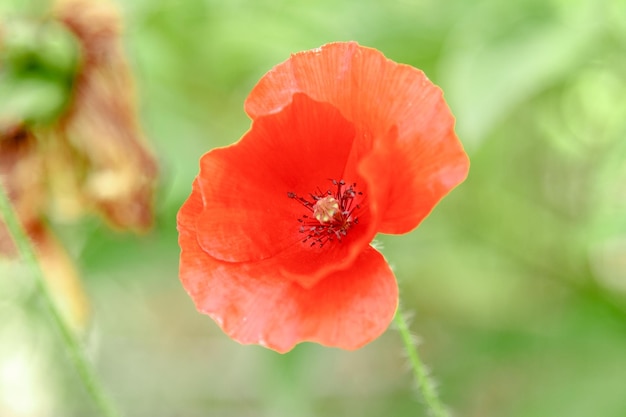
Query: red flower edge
[
  {"x": 254, "y": 304},
  {"x": 275, "y": 235},
  {"x": 397, "y": 110}
]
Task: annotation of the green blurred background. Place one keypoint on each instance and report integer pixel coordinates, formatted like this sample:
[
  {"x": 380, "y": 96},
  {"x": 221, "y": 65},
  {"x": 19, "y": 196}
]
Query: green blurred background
[{"x": 517, "y": 280}]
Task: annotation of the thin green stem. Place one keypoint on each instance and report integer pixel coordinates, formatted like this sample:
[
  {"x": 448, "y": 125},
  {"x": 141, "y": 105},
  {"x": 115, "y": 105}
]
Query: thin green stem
[
  {"x": 424, "y": 383},
  {"x": 74, "y": 348}
]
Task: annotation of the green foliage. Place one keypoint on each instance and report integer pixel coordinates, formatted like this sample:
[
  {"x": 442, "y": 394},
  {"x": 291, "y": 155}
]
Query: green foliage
[{"x": 38, "y": 62}]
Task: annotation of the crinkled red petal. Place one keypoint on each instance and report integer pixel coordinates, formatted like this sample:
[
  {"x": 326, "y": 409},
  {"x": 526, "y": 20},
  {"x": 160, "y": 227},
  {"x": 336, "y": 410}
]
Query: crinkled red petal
[
  {"x": 253, "y": 303},
  {"x": 422, "y": 173},
  {"x": 247, "y": 214},
  {"x": 405, "y": 130}
]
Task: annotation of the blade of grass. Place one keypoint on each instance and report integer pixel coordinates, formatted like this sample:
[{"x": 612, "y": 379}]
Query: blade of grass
[{"x": 73, "y": 347}]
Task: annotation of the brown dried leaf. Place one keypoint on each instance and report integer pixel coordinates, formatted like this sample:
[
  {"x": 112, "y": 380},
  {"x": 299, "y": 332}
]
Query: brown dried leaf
[{"x": 101, "y": 125}]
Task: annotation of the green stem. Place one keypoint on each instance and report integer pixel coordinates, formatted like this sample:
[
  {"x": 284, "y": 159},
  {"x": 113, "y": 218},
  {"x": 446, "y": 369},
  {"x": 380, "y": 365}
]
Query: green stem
[
  {"x": 73, "y": 347},
  {"x": 424, "y": 383}
]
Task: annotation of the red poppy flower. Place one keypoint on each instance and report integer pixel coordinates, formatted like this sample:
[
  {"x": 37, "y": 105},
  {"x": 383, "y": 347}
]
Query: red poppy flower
[{"x": 276, "y": 234}]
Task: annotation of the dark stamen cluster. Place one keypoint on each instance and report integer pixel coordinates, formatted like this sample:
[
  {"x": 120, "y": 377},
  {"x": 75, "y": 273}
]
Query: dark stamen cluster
[{"x": 318, "y": 229}]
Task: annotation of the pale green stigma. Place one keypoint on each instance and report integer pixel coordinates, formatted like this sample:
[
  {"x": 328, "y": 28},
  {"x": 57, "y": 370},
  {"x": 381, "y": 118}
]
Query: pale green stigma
[{"x": 325, "y": 209}]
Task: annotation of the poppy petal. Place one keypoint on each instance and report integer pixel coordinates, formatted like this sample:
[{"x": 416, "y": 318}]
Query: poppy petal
[
  {"x": 378, "y": 96},
  {"x": 252, "y": 303},
  {"x": 247, "y": 214},
  {"x": 422, "y": 173}
]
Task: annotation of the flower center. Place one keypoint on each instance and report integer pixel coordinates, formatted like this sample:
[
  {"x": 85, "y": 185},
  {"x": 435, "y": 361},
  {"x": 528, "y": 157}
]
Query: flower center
[
  {"x": 325, "y": 209},
  {"x": 333, "y": 213}
]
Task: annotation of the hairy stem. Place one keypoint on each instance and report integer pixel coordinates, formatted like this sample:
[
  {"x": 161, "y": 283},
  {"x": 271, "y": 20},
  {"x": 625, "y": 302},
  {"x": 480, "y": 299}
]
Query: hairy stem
[
  {"x": 74, "y": 348},
  {"x": 425, "y": 385}
]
